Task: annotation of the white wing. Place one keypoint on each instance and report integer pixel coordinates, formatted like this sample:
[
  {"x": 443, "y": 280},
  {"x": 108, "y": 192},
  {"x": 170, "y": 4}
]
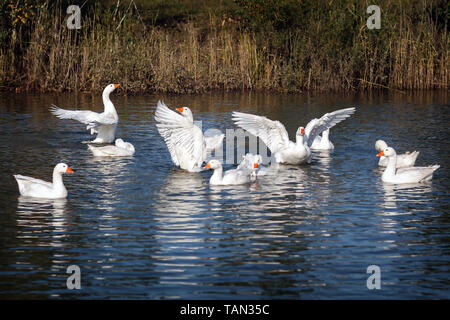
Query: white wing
[
  {"x": 272, "y": 133},
  {"x": 417, "y": 173},
  {"x": 327, "y": 121},
  {"x": 213, "y": 142},
  {"x": 179, "y": 131},
  {"x": 25, "y": 180},
  {"x": 31, "y": 186},
  {"x": 84, "y": 116}
]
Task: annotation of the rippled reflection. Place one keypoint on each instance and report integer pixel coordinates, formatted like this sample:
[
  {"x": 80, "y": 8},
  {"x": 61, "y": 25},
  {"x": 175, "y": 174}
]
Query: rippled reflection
[
  {"x": 405, "y": 194},
  {"x": 42, "y": 214}
]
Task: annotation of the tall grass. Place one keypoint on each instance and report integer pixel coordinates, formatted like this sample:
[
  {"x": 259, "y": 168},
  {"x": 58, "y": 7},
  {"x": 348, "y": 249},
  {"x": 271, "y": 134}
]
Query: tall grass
[{"x": 329, "y": 49}]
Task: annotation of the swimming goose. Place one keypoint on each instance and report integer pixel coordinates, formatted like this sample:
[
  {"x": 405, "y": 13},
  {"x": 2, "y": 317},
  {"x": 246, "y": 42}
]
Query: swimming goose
[
  {"x": 104, "y": 124},
  {"x": 403, "y": 160},
  {"x": 120, "y": 149},
  {"x": 404, "y": 175},
  {"x": 187, "y": 145},
  {"x": 275, "y": 136},
  {"x": 32, "y": 187},
  {"x": 230, "y": 177}
]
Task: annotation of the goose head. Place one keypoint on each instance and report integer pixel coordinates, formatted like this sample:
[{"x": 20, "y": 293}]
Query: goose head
[
  {"x": 185, "y": 112},
  {"x": 109, "y": 88},
  {"x": 380, "y": 145},
  {"x": 62, "y": 168},
  {"x": 213, "y": 164},
  {"x": 387, "y": 152},
  {"x": 300, "y": 131},
  {"x": 299, "y": 135}
]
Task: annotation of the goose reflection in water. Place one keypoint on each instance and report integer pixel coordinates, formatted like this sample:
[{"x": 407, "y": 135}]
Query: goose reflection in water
[
  {"x": 42, "y": 214},
  {"x": 397, "y": 195},
  {"x": 42, "y": 223}
]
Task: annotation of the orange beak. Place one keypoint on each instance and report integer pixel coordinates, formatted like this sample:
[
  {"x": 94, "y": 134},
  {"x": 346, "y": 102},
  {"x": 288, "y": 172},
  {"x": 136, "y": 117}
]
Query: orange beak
[
  {"x": 116, "y": 85},
  {"x": 180, "y": 110},
  {"x": 255, "y": 165},
  {"x": 69, "y": 170},
  {"x": 207, "y": 166},
  {"x": 302, "y": 130},
  {"x": 381, "y": 153}
]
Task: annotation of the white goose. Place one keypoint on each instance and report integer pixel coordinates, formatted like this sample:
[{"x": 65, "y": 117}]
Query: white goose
[
  {"x": 322, "y": 142},
  {"x": 231, "y": 177},
  {"x": 120, "y": 149},
  {"x": 275, "y": 136},
  {"x": 404, "y": 175},
  {"x": 31, "y": 187},
  {"x": 403, "y": 160},
  {"x": 187, "y": 145},
  {"x": 104, "y": 124}
]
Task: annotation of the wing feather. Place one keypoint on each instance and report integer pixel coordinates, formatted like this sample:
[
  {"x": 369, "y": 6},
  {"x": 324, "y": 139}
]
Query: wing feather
[
  {"x": 83, "y": 116},
  {"x": 327, "y": 121},
  {"x": 272, "y": 133}
]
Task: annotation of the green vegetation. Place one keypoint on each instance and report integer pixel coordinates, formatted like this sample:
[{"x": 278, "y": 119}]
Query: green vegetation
[{"x": 176, "y": 46}]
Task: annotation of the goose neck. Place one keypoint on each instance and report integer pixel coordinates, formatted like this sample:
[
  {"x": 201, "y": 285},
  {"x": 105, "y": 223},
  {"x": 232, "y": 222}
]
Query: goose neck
[
  {"x": 325, "y": 134},
  {"x": 391, "y": 166},
  {"x": 109, "y": 106},
  {"x": 57, "y": 180},
  {"x": 216, "y": 177},
  {"x": 300, "y": 140}
]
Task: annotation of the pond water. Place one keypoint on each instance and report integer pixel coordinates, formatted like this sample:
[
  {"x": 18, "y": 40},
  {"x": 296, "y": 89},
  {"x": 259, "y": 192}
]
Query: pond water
[{"x": 139, "y": 228}]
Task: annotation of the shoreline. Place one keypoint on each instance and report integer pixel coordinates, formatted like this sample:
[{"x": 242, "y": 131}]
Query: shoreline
[{"x": 320, "y": 50}]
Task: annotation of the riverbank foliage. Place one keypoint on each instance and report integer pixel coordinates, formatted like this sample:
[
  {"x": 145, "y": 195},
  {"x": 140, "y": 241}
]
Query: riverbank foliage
[{"x": 194, "y": 46}]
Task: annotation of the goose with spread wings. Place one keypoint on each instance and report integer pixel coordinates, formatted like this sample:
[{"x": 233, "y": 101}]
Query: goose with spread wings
[
  {"x": 103, "y": 124},
  {"x": 274, "y": 134},
  {"x": 187, "y": 145}
]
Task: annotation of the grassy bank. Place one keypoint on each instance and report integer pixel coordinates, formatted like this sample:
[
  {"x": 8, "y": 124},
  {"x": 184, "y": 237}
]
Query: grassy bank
[{"x": 197, "y": 46}]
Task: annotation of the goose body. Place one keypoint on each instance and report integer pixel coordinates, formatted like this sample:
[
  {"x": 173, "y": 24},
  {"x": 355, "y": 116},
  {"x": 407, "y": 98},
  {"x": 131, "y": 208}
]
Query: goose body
[
  {"x": 37, "y": 188},
  {"x": 120, "y": 149},
  {"x": 187, "y": 145},
  {"x": 103, "y": 124},
  {"x": 404, "y": 175},
  {"x": 407, "y": 159},
  {"x": 230, "y": 177},
  {"x": 274, "y": 134}
]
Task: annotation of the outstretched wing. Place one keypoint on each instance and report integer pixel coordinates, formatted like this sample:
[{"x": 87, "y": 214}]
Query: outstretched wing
[
  {"x": 272, "y": 133},
  {"x": 179, "y": 134},
  {"x": 84, "y": 116},
  {"x": 327, "y": 121}
]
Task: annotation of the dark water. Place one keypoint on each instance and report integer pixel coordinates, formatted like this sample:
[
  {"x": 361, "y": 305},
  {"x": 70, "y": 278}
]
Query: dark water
[{"x": 139, "y": 228}]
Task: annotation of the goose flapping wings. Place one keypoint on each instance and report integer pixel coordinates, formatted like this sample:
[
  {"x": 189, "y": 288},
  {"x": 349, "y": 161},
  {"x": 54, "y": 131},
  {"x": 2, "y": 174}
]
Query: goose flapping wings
[{"x": 187, "y": 146}]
